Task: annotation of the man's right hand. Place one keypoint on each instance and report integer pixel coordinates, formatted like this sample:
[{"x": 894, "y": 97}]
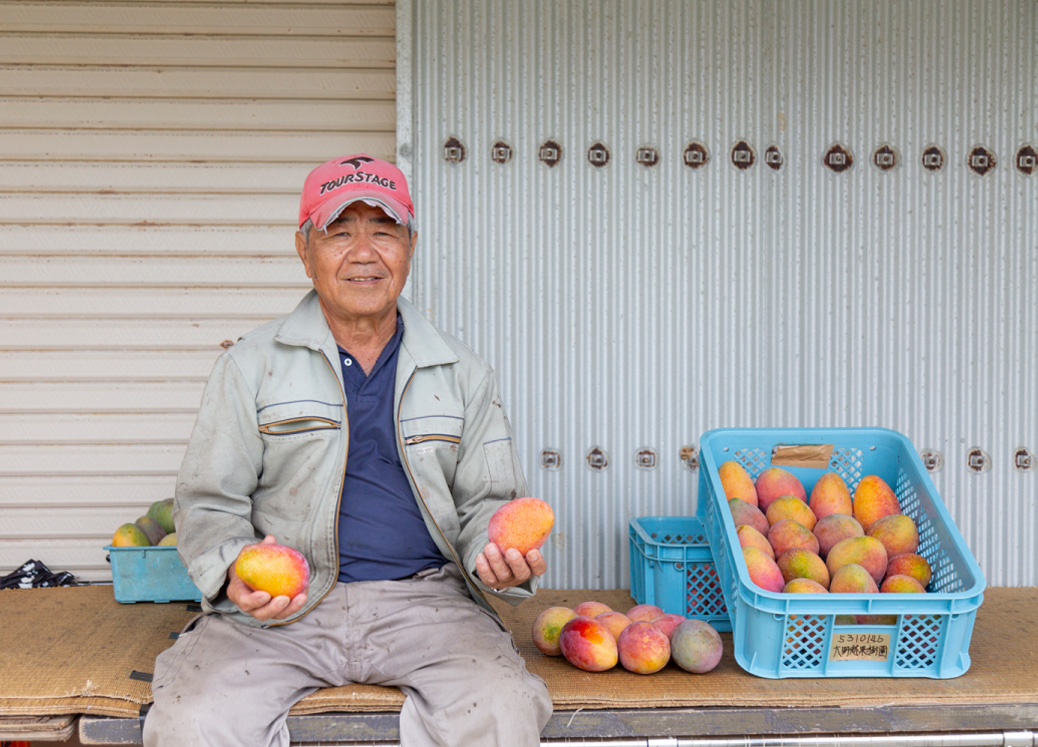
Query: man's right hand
[{"x": 260, "y": 604}]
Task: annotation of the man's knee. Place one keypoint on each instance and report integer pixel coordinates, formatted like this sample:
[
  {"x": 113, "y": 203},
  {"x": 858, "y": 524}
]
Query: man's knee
[
  {"x": 177, "y": 719},
  {"x": 511, "y": 708}
]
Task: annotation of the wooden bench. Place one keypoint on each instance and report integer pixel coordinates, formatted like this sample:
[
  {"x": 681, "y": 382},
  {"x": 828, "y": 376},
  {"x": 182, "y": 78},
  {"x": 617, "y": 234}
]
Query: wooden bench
[{"x": 76, "y": 655}]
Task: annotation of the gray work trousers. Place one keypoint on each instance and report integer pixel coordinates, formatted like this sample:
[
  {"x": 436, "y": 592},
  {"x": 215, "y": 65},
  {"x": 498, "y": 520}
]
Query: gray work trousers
[{"x": 223, "y": 683}]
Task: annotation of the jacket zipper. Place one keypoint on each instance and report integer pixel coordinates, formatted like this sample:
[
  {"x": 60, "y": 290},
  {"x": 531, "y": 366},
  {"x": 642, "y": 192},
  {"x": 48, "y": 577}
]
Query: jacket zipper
[
  {"x": 278, "y": 429},
  {"x": 412, "y": 440},
  {"x": 407, "y": 465}
]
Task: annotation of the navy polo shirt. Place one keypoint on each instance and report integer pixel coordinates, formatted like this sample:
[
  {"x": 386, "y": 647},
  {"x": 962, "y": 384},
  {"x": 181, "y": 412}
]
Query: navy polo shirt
[{"x": 381, "y": 531}]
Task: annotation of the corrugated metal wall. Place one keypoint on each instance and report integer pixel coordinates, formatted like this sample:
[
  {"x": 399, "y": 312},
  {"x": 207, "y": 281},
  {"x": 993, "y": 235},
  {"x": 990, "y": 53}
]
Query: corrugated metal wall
[
  {"x": 631, "y": 307},
  {"x": 150, "y": 160}
]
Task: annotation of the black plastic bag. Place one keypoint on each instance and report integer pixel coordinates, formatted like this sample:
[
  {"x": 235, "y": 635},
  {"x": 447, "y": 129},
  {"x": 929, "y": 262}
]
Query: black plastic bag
[{"x": 33, "y": 574}]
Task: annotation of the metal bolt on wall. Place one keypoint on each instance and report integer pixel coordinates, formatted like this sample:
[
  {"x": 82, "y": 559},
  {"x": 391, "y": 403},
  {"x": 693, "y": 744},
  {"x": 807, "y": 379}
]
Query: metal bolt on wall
[
  {"x": 977, "y": 460},
  {"x": 1027, "y": 160},
  {"x": 597, "y": 459},
  {"x": 932, "y": 460}
]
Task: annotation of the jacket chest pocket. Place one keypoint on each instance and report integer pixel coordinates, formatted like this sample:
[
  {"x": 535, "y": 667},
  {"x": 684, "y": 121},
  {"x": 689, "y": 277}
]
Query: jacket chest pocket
[
  {"x": 433, "y": 438},
  {"x": 300, "y": 438}
]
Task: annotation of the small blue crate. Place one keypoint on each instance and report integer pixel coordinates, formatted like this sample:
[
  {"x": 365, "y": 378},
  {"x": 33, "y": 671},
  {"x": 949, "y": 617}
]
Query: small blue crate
[
  {"x": 799, "y": 635},
  {"x": 671, "y": 567},
  {"x": 150, "y": 574}
]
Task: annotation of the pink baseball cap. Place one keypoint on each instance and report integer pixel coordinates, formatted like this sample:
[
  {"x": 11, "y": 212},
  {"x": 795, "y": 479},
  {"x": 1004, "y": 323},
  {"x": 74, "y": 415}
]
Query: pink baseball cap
[{"x": 332, "y": 186}]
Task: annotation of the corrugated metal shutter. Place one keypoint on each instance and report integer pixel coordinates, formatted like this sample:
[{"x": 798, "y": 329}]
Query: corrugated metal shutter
[
  {"x": 150, "y": 161},
  {"x": 631, "y": 301}
]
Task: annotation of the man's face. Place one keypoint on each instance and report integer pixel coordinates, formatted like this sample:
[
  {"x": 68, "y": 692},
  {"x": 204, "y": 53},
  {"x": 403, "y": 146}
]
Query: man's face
[{"x": 359, "y": 265}]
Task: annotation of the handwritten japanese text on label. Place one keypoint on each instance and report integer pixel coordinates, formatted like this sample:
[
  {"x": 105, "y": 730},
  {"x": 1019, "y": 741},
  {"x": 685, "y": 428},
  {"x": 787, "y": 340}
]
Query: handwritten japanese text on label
[{"x": 860, "y": 647}]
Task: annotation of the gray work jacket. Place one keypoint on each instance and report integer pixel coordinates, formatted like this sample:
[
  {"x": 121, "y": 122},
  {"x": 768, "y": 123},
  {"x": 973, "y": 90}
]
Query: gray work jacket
[{"x": 268, "y": 451}]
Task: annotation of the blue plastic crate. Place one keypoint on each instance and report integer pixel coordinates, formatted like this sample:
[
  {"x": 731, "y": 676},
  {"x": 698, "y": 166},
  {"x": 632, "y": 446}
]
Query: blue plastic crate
[
  {"x": 671, "y": 567},
  {"x": 797, "y": 635},
  {"x": 150, "y": 574}
]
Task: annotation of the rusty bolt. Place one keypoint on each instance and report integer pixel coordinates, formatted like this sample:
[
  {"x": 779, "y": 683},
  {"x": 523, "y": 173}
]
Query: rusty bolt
[
  {"x": 551, "y": 459},
  {"x": 977, "y": 460},
  {"x": 597, "y": 459},
  {"x": 453, "y": 151},
  {"x": 645, "y": 458},
  {"x": 550, "y": 153},
  {"x": 932, "y": 460}
]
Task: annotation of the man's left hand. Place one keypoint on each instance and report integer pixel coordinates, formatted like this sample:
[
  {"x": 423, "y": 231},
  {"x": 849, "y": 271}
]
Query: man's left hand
[{"x": 503, "y": 570}]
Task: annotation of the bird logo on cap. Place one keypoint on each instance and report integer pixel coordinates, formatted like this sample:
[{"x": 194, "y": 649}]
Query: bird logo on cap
[{"x": 356, "y": 162}]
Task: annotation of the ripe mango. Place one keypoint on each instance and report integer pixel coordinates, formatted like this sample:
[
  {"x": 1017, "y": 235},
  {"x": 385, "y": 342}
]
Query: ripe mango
[
  {"x": 668, "y": 621},
  {"x": 867, "y": 552},
  {"x": 643, "y": 648},
  {"x": 130, "y": 535},
  {"x": 588, "y": 645},
  {"x": 873, "y": 499},
  {"x": 696, "y": 647},
  {"x": 591, "y": 608},
  {"x": 170, "y": 540},
  {"x": 852, "y": 579},
  {"x": 546, "y": 629},
  {"x": 750, "y": 537},
  {"x": 896, "y": 584},
  {"x": 911, "y": 564},
  {"x": 162, "y": 512},
  {"x": 788, "y": 534},
  {"x": 901, "y": 584},
  {"x": 764, "y": 572},
  {"x": 744, "y": 513},
  {"x": 897, "y": 532},
  {"x": 644, "y": 612},
  {"x": 522, "y": 523},
  {"x": 799, "y": 563},
  {"x": 736, "y": 482},
  {"x": 614, "y": 621},
  {"x": 791, "y": 507},
  {"x": 803, "y": 586},
  {"x": 835, "y": 527},
  {"x": 276, "y": 569},
  {"x": 775, "y": 482},
  {"x": 830, "y": 496}
]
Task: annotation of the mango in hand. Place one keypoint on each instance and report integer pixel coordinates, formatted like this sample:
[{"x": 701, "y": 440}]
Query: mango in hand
[
  {"x": 276, "y": 569},
  {"x": 522, "y": 523}
]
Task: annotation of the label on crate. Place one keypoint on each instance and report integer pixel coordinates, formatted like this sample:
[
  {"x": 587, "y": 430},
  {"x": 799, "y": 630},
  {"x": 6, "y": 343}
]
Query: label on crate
[{"x": 859, "y": 647}]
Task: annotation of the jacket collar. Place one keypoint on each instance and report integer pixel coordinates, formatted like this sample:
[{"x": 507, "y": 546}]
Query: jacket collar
[
  {"x": 423, "y": 341},
  {"x": 306, "y": 326}
]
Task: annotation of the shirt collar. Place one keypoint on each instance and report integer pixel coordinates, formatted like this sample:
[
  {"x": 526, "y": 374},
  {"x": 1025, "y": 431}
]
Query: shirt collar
[{"x": 387, "y": 352}]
